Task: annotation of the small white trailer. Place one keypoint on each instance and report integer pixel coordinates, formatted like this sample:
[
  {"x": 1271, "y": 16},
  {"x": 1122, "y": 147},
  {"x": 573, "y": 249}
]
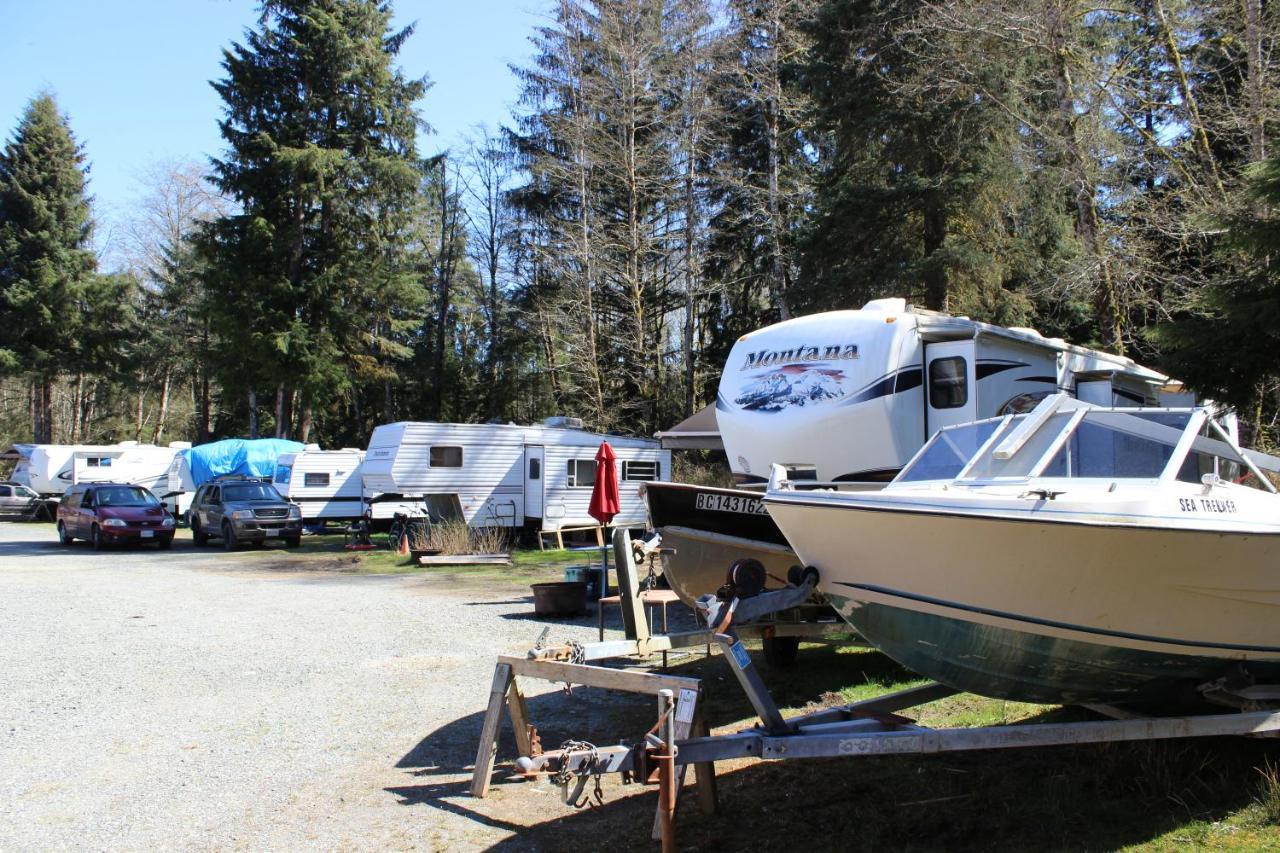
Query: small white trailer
[
  {"x": 504, "y": 475},
  {"x": 326, "y": 484}
]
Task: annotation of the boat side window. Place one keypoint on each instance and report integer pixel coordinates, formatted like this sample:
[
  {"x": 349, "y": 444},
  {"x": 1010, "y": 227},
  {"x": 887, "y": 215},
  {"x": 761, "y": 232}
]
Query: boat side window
[
  {"x": 948, "y": 383},
  {"x": 582, "y": 473},
  {"x": 315, "y": 478},
  {"x": 1112, "y": 444},
  {"x": 949, "y": 451},
  {"x": 445, "y": 456},
  {"x": 644, "y": 471}
]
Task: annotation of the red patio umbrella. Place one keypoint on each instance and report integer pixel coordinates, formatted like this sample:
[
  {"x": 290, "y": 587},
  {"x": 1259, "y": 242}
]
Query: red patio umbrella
[{"x": 604, "y": 503}]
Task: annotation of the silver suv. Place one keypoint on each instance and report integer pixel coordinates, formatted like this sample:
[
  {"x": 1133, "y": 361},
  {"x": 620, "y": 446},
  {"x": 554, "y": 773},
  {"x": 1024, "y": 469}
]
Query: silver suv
[{"x": 242, "y": 509}]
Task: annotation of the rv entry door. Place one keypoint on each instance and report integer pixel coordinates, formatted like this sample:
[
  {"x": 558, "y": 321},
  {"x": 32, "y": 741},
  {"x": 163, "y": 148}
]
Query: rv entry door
[
  {"x": 950, "y": 387},
  {"x": 533, "y": 480}
]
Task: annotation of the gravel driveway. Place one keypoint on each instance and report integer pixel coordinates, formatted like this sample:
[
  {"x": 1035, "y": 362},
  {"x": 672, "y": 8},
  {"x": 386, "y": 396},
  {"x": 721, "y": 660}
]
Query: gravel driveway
[{"x": 196, "y": 699}]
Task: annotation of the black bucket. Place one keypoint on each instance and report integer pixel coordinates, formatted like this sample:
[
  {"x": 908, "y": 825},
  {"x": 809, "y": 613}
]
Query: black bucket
[{"x": 560, "y": 598}]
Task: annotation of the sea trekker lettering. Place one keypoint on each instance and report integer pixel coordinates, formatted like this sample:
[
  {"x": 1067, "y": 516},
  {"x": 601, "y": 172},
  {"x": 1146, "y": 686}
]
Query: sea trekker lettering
[
  {"x": 1206, "y": 505},
  {"x": 730, "y": 503},
  {"x": 771, "y": 358}
]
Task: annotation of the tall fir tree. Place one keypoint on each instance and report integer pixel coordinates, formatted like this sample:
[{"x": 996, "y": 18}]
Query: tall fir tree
[
  {"x": 320, "y": 127},
  {"x": 46, "y": 265}
]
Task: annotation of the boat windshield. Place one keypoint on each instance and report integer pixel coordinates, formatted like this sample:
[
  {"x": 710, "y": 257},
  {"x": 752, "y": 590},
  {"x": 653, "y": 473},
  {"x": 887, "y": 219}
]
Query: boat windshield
[
  {"x": 950, "y": 450},
  {"x": 1113, "y": 444}
]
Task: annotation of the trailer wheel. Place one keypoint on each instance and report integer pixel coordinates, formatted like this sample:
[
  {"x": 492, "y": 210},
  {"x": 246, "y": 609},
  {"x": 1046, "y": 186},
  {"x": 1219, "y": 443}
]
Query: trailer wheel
[{"x": 780, "y": 651}]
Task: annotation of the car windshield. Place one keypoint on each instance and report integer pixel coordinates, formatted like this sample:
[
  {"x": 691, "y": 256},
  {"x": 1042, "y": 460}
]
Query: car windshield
[
  {"x": 125, "y": 496},
  {"x": 250, "y": 492}
]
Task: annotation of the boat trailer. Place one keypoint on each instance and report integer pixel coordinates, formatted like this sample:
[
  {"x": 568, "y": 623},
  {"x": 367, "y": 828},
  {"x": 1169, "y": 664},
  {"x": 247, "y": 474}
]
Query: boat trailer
[{"x": 681, "y": 737}]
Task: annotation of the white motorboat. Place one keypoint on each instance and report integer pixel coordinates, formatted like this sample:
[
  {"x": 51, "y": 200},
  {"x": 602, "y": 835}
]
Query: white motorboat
[{"x": 1073, "y": 554}]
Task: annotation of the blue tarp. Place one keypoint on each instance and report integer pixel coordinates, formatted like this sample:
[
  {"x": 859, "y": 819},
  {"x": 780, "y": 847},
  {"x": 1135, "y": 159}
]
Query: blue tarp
[{"x": 250, "y": 457}]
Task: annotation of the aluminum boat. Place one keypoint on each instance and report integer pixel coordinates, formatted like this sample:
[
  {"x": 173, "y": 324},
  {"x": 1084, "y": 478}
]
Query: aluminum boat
[{"x": 1073, "y": 554}]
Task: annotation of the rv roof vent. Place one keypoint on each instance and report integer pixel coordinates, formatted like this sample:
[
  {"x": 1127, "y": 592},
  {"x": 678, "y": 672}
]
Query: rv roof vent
[
  {"x": 1023, "y": 330},
  {"x": 895, "y": 305},
  {"x": 562, "y": 422}
]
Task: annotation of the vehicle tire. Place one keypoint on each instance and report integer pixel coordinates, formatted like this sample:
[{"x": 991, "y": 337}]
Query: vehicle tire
[
  {"x": 229, "y": 537},
  {"x": 62, "y": 534},
  {"x": 95, "y": 539},
  {"x": 780, "y": 651},
  {"x": 198, "y": 536},
  {"x": 293, "y": 542}
]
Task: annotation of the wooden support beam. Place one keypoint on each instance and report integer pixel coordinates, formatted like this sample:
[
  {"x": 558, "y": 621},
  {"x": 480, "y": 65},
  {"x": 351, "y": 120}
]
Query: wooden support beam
[
  {"x": 519, "y": 717},
  {"x": 647, "y": 683},
  {"x": 637, "y": 628},
  {"x": 488, "y": 748}
]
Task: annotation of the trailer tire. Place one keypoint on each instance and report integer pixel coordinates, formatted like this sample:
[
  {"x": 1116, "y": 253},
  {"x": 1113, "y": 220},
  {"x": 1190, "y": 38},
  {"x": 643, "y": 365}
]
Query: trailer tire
[{"x": 780, "y": 651}]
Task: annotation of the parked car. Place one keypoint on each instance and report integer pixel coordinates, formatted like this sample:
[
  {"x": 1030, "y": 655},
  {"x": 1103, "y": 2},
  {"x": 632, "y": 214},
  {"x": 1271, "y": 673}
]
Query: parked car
[
  {"x": 17, "y": 499},
  {"x": 113, "y": 514},
  {"x": 242, "y": 509}
]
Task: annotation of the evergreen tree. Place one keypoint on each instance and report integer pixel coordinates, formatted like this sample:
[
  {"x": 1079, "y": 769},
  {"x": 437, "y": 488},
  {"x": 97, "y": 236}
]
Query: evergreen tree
[
  {"x": 46, "y": 266},
  {"x": 320, "y": 129}
]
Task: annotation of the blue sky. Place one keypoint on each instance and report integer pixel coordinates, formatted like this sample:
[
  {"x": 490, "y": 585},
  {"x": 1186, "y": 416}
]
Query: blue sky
[{"x": 132, "y": 75}]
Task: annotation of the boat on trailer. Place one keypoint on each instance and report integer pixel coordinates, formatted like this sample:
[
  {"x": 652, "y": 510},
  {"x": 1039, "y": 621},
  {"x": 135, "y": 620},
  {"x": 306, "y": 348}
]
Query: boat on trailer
[
  {"x": 1075, "y": 554},
  {"x": 843, "y": 400}
]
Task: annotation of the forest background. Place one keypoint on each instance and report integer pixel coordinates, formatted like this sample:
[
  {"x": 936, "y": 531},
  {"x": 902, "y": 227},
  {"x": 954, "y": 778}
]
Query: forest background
[{"x": 676, "y": 173}]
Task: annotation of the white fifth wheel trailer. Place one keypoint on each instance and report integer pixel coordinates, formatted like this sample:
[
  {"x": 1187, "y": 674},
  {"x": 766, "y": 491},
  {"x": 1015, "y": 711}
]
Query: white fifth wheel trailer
[
  {"x": 503, "y": 475},
  {"x": 326, "y": 484},
  {"x": 51, "y": 468}
]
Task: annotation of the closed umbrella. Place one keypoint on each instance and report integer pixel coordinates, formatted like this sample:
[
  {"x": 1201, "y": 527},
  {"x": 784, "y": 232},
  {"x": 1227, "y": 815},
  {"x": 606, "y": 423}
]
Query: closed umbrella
[{"x": 604, "y": 503}]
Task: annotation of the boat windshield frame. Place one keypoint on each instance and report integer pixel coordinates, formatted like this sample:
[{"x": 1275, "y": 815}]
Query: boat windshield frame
[{"x": 1005, "y": 443}]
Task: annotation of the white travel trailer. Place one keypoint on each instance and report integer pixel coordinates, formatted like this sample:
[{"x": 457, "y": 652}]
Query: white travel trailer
[
  {"x": 324, "y": 483},
  {"x": 503, "y": 474},
  {"x": 50, "y": 468},
  {"x": 852, "y": 395}
]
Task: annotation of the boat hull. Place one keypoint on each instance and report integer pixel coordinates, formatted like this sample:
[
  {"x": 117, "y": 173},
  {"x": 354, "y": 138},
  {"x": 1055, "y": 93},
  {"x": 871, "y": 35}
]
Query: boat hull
[
  {"x": 709, "y": 528},
  {"x": 1061, "y": 613}
]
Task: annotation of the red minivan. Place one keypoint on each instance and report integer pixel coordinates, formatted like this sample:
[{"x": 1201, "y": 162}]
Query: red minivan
[{"x": 113, "y": 513}]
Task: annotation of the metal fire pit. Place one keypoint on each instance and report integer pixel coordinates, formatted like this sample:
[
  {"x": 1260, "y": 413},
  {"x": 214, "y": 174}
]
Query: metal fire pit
[{"x": 560, "y": 598}]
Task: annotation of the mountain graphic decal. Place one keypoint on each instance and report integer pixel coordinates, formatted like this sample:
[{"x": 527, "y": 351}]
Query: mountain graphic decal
[{"x": 792, "y": 385}]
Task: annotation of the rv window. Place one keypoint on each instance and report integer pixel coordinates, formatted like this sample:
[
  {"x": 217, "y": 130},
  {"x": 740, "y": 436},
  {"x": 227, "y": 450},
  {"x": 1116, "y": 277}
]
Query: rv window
[
  {"x": 582, "y": 473},
  {"x": 634, "y": 469},
  {"x": 98, "y": 461},
  {"x": 446, "y": 457},
  {"x": 315, "y": 478},
  {"x": 948, "y": 383},
  {"x": 282, "y": 474},
  {"x": 535, "y": 468}
]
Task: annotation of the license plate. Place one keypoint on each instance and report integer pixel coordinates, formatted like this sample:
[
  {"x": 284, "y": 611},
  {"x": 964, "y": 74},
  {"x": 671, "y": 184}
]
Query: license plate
[
  {"x": 274, "y": 533},
  {"x": 147, "y": 534}
]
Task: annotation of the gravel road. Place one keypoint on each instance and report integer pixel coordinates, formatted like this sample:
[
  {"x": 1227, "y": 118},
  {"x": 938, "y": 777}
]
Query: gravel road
[{"x": 194, "y": 699}]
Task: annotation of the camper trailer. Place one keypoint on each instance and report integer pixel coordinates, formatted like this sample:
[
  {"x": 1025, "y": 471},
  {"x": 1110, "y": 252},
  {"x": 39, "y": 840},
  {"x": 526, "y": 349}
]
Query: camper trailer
[
  {"x": 254, "y": 457},
  {"x": 503, "y": 474},
  {"x": 852, "y": 395},
  {"x": 51, "y": 468},
  {"x": 324, "y": 483}
]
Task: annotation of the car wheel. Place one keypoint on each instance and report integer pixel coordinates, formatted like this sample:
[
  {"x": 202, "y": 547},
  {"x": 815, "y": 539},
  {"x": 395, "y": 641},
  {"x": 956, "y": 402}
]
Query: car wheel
[
  {"x": 63, "y": 537},
  {"x": 95, "y": 539},
  {"x": 229, "y": 537},
  {"x": 164, "y": 543},
  {"x": 293, "y": 542},
  {"x": 198, "y": 536}
]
